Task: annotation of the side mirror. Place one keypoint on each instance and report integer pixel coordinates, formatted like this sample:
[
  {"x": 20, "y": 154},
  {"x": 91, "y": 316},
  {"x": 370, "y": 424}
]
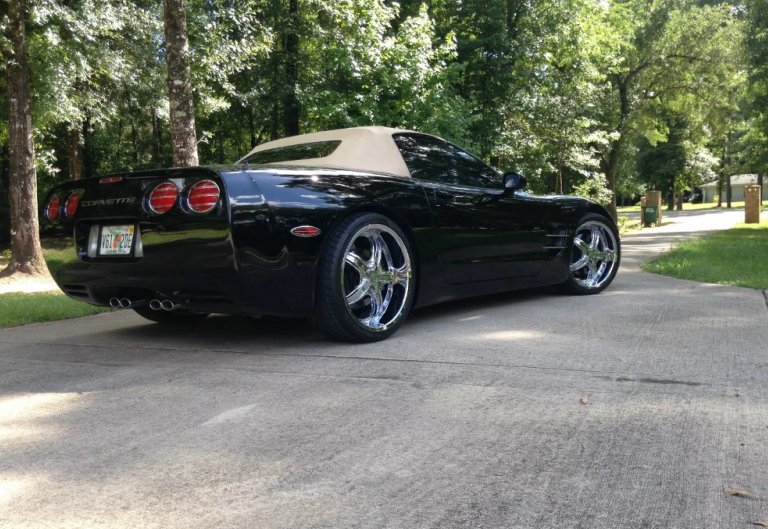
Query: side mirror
[{"x": 514, "y": 181}]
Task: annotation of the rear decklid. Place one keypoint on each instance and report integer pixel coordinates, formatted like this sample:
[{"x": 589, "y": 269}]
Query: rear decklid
[
  {"x": 168, "y": 200},
  {"x": 128, "y": 196}
]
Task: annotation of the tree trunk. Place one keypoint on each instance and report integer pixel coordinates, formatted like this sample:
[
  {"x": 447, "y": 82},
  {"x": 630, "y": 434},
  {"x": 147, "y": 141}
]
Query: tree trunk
[
  {"x": 157, "y": 139},
  {"x": 134, "y": 145},
  {"x": 119, "y": 142},
  {"x": 75, "y": 151},
  {"x": 220, "y": 154},
  {"x": 611, "y": 166},
  {"x": 251, "y": 127},
  {"x": 670, "y": 200},
  {"x": 89, "y": 160},
  {"x": 720, "y": 189},
  {"x": 680, "y": 200},
  {"x": 292, "y": 108},
  {"x": 728, "y": 190},
  {"x": 610, "y": 170},
  {"x": 3, "y": 193},
  {"x": 760, "y": 180},
  {"x": 3, "y": 178},
  {"x": 182, "y": 110},
  {"x": 26, "y": 252}
]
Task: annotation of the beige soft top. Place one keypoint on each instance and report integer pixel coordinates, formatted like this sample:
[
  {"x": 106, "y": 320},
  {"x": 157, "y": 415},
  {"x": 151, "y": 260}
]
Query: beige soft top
[{"x": 361, "y": 149}]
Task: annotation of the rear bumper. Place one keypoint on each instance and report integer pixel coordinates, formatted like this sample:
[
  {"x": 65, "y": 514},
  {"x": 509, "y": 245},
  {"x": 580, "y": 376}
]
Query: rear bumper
[{"x": 198, "y": 269}]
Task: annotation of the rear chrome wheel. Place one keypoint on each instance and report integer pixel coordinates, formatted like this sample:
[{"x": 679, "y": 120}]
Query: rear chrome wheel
[
  {"x": 594, "y": 257},
  {"x": 376, "y": 277},
  {"x": 366, "y": 281}
]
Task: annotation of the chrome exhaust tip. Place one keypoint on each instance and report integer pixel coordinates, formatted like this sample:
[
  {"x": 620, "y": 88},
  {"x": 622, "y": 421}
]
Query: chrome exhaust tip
[
  {"x": 155, "y": 304},
  {"x": 126, "y": 303},
  {"x": 167, "y": 304},
  {"x": 114, "y": 303}
]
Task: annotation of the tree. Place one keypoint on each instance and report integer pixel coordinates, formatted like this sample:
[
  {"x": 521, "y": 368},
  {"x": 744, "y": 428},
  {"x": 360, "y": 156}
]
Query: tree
[
  {"x": 182, "y": 109},
  {"x": 756, "y": 48},
  {"x": 667, "y": 49},
  {"x": 26, "y": 252},
  {"x": 662, "y": 164}
]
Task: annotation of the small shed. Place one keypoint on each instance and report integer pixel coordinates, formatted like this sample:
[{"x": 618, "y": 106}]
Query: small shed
[{"x": 738, "y": 181}]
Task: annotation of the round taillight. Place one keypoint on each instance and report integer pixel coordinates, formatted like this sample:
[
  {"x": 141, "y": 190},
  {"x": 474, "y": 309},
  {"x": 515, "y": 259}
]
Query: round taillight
[
  {"x": 70, "y": 205},
  {"x": 52, "y": 209},
  {"x": 203, "y": 196},
  {"x": 162, "y": 198}
]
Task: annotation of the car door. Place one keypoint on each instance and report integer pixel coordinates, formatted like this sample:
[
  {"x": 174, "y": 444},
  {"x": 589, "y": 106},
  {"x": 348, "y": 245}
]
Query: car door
[{"x": 481, "y": 233}]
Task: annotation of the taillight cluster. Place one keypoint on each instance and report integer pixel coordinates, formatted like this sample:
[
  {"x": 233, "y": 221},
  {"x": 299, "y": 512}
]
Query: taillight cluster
[
  {"x": 54, "y": 212},
  {"x": 52, "y": 209},
  {"x": 203, "y": 196},
  {"x": 162, "y": 198},
  {"x": 70, "y": 205},
  {"x": 200, "y": 197}
]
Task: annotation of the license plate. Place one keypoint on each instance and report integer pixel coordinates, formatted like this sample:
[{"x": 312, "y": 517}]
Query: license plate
[{"x": 116, "y": 240}]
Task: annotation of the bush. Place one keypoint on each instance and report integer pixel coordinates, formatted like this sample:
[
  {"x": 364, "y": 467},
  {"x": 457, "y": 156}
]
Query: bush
[{"x": 595, "y": 188}]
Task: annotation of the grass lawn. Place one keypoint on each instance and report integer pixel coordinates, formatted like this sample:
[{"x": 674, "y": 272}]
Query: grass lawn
[
  {"x": 20, "y": 309},
  {"x": 738, "y": 257}
]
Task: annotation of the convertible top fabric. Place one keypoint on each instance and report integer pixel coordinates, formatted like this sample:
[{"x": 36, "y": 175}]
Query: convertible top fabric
[{"x": 361, "y": 149}]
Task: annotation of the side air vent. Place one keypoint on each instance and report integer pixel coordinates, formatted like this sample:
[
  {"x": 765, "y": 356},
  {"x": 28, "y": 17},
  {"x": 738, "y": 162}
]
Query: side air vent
[{"x": 557, "y": 239}]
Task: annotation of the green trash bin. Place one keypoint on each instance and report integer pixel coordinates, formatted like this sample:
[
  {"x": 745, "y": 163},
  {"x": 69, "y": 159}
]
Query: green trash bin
[{"x": 650, "y": 215}]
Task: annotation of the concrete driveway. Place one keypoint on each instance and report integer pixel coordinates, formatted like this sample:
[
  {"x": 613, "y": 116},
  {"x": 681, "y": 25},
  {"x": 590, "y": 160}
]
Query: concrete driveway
[{"x": 471, "y": 416}]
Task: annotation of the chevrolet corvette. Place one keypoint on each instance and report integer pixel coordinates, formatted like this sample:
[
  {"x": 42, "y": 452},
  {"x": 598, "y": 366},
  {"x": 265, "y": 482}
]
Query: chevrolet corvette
[{"x": 352, "y": 228}]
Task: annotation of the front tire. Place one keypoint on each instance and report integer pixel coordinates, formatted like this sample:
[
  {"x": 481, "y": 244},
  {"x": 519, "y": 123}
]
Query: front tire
[
  {"x": 366, "y": 283},
  {"x": 595, "y": 256}
]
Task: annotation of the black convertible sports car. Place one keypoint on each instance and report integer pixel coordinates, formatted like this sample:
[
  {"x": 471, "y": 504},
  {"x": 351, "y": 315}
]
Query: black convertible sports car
[{"x": 351, "y": 227}]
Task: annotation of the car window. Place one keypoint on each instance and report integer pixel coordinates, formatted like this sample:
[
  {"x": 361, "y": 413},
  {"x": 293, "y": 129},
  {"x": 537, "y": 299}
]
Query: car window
[
  {"x": 433, "y": 159},
  {"x": 302, "y": 151}
]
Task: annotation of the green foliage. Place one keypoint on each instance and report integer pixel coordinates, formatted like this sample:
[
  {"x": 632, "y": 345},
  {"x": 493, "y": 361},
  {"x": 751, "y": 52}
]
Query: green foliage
[
  {"x": 661, "y": 165},
  {"x": 557, "y": 89},
  {"x": 594, "y": 188}
]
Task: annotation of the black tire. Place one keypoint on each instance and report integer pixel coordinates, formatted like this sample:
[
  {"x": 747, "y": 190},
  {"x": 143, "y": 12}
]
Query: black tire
[
  {"x": 366, "y": 280},
  {"x": 593, "y": 262},
  {"x": 169, "y": 317}
]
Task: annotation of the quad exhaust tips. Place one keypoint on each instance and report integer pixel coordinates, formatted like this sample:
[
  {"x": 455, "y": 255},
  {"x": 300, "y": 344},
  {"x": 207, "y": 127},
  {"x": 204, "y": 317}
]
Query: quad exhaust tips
[
  {"x": 155, "y": 304},
  {"x": 165, "y": 304},
  {"x": 125, "y": 303},
  {"x": 121, "y": 303}
]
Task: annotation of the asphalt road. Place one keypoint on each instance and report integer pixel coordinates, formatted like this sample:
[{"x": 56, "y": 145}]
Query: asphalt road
[{"x": 470, "y": 416}]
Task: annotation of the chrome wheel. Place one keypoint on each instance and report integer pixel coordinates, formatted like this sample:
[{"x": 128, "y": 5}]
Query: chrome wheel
[
  {"x": 594, "y": 255},
  {"x": 376, "y": 277}
]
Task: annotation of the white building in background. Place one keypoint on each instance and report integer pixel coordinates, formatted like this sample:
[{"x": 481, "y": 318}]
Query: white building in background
[{"x": 738, "y": 181}]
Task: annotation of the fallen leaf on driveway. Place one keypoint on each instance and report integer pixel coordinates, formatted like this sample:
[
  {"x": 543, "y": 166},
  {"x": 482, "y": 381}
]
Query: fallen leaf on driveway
[
  {"x": 761, "y": 523},
  {"x": 584, "y": 400},
  {"x": 741, "y": 493}
]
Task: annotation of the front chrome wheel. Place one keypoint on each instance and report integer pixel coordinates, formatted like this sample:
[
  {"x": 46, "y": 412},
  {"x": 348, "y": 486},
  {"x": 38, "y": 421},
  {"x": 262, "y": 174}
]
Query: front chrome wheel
[
  {"x": 376, "y": 277},
  {"x": 595, "y": 256}
]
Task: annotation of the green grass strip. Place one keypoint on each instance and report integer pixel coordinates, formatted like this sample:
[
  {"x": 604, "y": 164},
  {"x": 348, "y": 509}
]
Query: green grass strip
[
  {"x": 738, "y": 256},
  {"x": 20, "y": 309}
]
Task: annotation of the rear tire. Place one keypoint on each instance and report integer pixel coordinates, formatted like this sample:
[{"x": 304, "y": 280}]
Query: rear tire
[
  {"x": 365, "y": 285},
  {"x": 595, "y": 256},
  {"x": 169, "y": 317}
]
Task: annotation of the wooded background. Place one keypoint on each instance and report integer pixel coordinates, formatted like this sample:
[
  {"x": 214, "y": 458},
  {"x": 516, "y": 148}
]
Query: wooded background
[{"x": 581, "y": 96}]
